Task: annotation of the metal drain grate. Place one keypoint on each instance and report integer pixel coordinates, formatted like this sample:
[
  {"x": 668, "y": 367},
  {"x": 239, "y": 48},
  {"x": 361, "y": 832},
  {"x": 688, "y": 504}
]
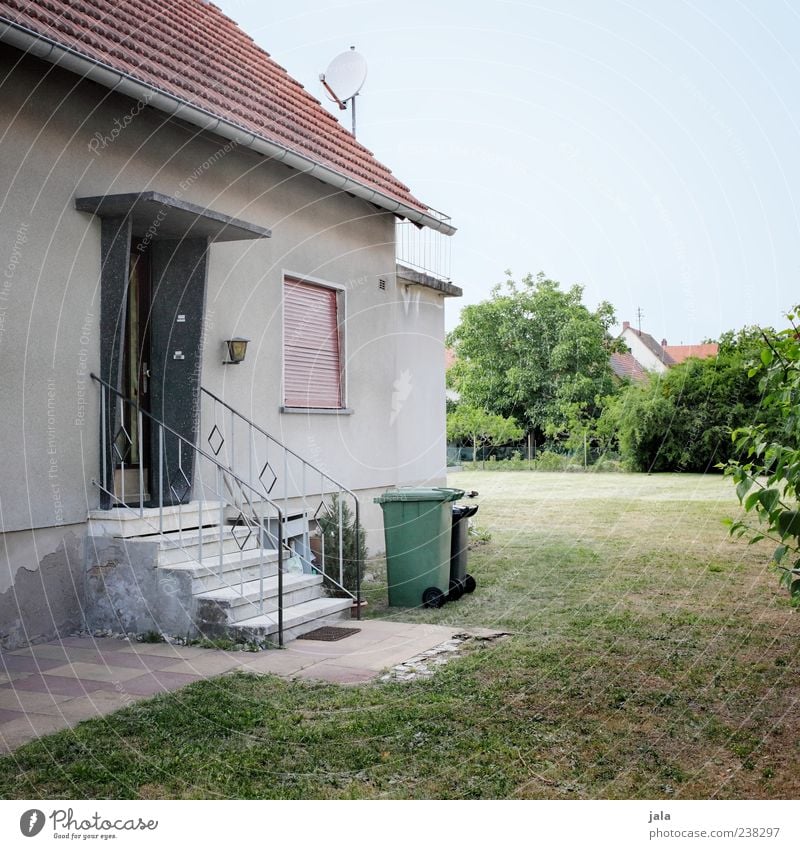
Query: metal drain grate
[{"x": 328, "y": 634}]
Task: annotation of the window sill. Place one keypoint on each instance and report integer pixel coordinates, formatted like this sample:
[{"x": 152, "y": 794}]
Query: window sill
[{"x": 317, "y": 411}]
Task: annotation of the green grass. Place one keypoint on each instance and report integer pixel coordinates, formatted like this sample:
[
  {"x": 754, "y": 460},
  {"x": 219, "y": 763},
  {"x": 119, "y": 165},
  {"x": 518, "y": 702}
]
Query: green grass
[{"x": 650, "y": 657}]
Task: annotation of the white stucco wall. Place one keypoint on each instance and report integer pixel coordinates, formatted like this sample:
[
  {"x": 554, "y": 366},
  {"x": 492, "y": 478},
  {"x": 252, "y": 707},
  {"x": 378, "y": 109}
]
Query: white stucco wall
[
  {"x": 50, "y": 299},
  {"x": 49, "y": 310},
  {"x": 641, "y": 352}
]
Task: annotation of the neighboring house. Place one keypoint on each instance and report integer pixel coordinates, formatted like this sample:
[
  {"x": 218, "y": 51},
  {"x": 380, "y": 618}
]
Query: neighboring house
[
  {"x": 167, "y": 189},
  {"x": 645, "y": 350},
  {"x": 679, "y": 353},
  {"x": 449, "y": 362},
  {"x": 627, "y": 367},
  {"x": 647, "y": 355}
]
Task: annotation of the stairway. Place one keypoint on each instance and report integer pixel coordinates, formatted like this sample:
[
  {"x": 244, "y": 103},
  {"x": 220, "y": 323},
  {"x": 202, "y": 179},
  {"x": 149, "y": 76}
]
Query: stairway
[
  {"x": 214, "y": 578},
  {"x": 210, "y": 567}
]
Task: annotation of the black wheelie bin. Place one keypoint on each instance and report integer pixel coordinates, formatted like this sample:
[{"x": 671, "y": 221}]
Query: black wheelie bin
[{"x": 460, "y": 581}]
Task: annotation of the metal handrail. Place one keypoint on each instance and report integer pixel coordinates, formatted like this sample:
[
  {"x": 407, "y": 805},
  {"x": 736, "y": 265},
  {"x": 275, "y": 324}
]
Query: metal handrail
[
  {"x": 324, "y": 476},
  {"x": 244, "y": 486},
  {"x": 280, "y": 444}
]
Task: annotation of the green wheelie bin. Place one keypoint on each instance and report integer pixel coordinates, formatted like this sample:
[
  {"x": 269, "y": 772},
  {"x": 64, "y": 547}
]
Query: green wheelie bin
[{"x": 417, "y": 524}]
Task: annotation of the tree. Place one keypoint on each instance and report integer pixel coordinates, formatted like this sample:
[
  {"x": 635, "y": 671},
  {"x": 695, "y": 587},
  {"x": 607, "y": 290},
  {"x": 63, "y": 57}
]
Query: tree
[
  {"x": 681, "y": 420},
  {"x": 768, "y": 477},
  {"x": 353, "y": 542},
  {"x": 535, "y": 353},
  {"x": 476, "y": 426}
]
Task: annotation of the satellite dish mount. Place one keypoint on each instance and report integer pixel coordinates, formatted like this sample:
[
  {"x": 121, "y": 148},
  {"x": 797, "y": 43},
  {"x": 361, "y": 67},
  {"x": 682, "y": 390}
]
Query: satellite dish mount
[{"x": 343, "y": 80}]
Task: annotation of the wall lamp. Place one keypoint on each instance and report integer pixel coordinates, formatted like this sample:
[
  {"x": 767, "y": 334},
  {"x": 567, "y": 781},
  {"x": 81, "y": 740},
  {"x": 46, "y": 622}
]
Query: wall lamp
[{"x": 237, "y": 348}]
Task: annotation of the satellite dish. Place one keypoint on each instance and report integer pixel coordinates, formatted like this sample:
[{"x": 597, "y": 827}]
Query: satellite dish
[{"x": 345, "y": 76}]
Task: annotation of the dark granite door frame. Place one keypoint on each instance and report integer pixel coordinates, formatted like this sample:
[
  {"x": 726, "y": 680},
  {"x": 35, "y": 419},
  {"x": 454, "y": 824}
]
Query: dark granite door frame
[{"x": 177, "y": 235}]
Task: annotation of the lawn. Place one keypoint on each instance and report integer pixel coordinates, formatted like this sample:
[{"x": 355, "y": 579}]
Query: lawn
[{"x": 649, "y": 656}]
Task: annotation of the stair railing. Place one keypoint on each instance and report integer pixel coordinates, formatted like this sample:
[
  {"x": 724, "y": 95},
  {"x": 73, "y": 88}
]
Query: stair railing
[
  {"x": 267, "y": 463},
  {"x": 188, "y": 481}
]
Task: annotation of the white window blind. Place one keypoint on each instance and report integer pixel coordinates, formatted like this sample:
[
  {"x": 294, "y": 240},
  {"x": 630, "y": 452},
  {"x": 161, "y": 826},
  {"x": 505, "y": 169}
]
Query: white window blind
[{"x": 311, "y": 364}]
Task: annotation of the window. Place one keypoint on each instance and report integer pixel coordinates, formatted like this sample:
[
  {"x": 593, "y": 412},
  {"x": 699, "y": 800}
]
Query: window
[{"x": 312, "y": 369}]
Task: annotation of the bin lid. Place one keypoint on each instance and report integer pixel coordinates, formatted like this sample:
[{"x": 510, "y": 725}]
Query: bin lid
[{"x": 418, "y": 493}]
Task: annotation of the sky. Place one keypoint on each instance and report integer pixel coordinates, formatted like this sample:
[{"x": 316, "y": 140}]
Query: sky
[{"x": 646, "y": 150}]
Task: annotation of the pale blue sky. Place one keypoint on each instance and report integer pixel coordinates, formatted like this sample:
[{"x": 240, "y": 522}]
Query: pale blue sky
[{"x": 648, "y": 150}]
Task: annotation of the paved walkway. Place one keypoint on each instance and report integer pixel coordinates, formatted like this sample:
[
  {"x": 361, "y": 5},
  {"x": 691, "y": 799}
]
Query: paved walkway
[{"x": 56, "y": 685}]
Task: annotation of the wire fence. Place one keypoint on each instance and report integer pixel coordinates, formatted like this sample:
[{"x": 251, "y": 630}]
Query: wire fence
[{"x": 520, "y": 456}]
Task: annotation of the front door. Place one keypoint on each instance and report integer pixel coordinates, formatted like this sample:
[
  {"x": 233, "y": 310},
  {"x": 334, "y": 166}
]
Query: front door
[{"x": 132, "y": 475}]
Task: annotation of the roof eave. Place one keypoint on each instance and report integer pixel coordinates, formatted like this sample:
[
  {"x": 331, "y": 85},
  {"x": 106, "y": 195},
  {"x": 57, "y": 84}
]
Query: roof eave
[{"x": 51, "y": 51}]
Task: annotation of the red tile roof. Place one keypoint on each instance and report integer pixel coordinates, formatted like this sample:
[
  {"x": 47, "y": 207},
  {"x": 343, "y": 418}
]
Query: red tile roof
[
  {"x": 190, "y": 50},
  {"x": 627, "y": 366},
  {"x": 679, "y": 353}
]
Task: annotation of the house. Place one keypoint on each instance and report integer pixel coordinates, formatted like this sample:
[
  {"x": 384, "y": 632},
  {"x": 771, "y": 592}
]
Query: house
[
  {"x": 647, "y": 355},
  {"x": 680, "y": 353},
  {"x": 626, "y": 367},
  {"x": 169, "y": 193},
  {"x": 449, "y": 362},
  {"x": 645, "y": 350}
]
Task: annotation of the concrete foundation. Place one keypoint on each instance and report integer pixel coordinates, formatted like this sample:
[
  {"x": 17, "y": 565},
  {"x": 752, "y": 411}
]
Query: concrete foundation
[
  {"x": 127, "y": 593},
  {"x": 41, "y": 584}
]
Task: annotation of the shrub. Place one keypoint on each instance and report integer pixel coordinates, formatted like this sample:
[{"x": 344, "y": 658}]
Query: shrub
[
  {"x": 354, "y": 546},
  {"x": 549, "y": 461},
  {"x": 767, "y": 476},
  {"x": 681, "y": 421}
]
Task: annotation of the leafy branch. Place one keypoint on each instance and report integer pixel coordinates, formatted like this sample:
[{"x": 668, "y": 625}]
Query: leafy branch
[{"x": 767, "y": 476}]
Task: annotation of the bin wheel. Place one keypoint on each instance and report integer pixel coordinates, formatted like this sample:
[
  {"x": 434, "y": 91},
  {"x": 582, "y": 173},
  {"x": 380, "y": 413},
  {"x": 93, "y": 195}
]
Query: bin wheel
[
  {"x": 456, "y": 590},
  {"x": 433, "y": 597},
  {"x": 469, "y": 584}
]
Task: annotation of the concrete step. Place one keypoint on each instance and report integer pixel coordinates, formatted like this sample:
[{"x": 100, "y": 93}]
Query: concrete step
[
  {"x": 297, "y": 620},
  {"x": 184, "y": 546},
  {"x": 131, "y": 522},
  {"x": 235, "y": 568},
  {"x": 244, "y": 601}
]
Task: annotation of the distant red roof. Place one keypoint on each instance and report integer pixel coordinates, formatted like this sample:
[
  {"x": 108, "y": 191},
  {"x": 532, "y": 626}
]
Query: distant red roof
[
  {"x": 679, "y": 353},
  {"x": 449, "y": 358},
  {"x": 627, "y": 366},
  {"x": 189, "y": 49}
]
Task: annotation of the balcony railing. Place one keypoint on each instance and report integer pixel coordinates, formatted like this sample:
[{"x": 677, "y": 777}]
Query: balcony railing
[{"x": 424, "y": 249}]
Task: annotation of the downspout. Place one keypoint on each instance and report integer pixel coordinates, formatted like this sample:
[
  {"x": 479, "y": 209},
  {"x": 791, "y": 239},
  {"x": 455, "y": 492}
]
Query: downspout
[{"x": 43, "y": 48}]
